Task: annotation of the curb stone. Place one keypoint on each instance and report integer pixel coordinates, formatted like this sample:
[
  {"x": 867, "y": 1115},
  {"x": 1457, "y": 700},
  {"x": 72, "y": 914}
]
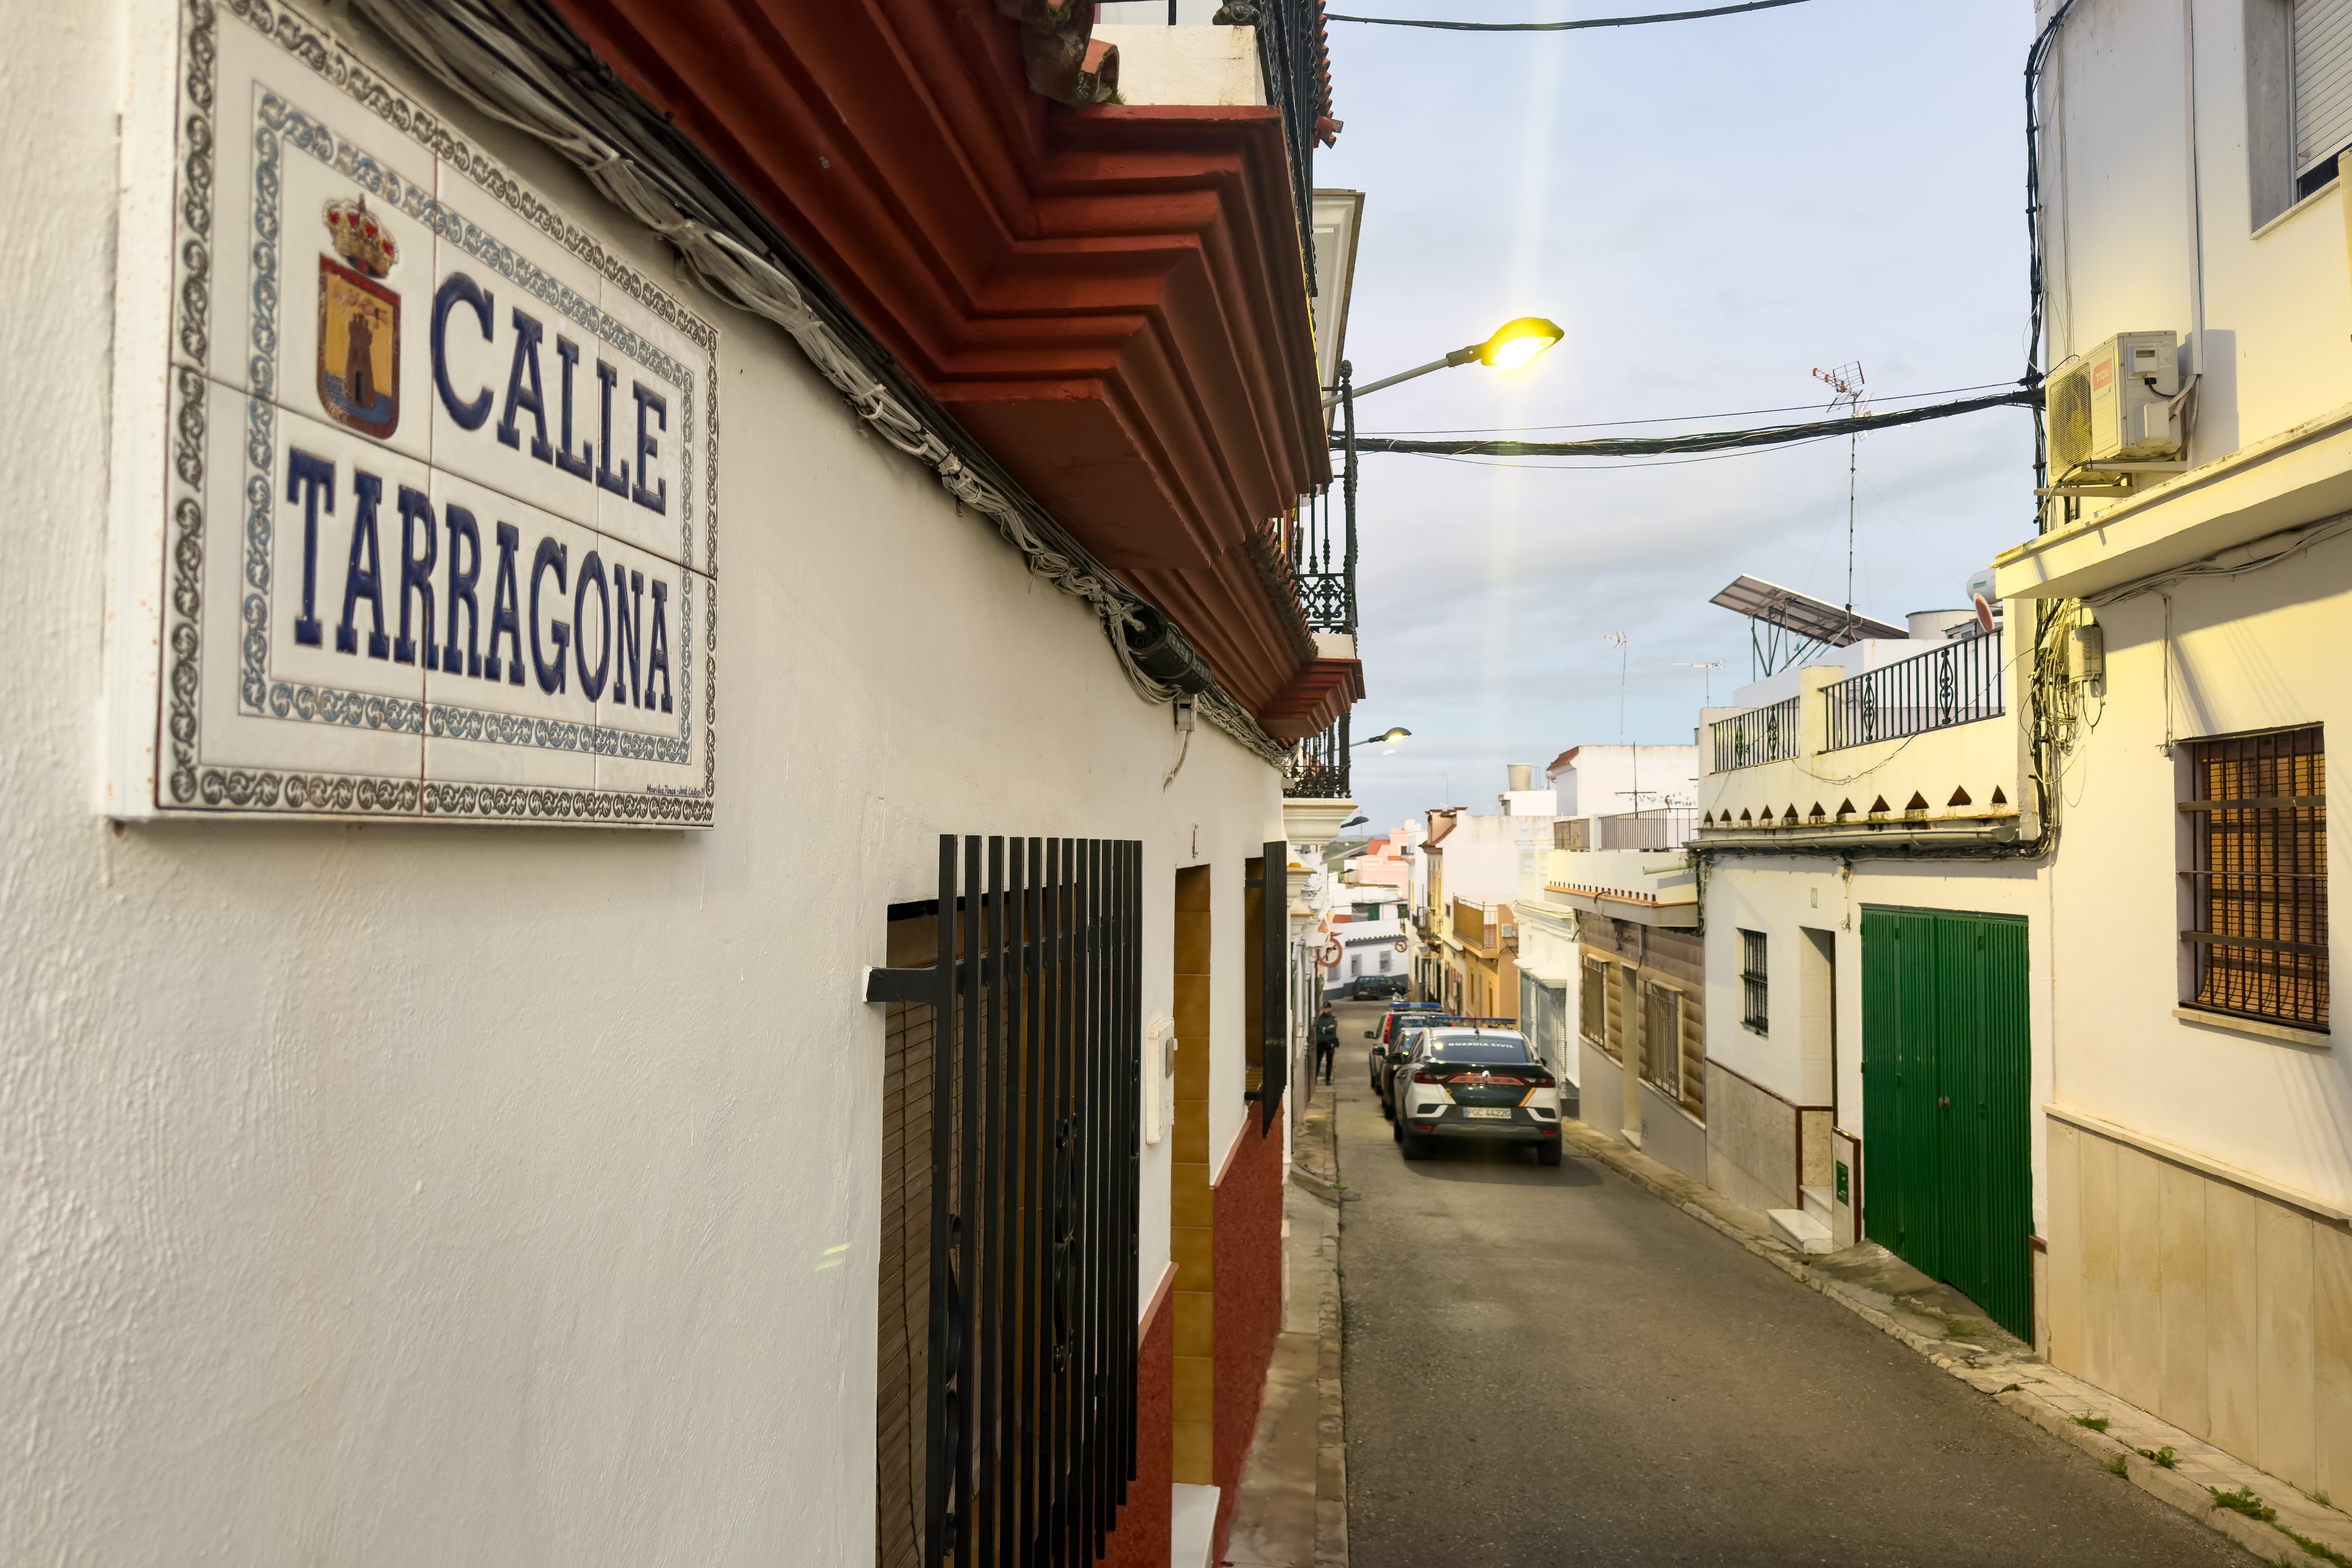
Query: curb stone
[
  {"x": 1331, "y": 1425},
  {"x": 1971, "y": 1364},
  {"x": 1314, "y": 1186}
]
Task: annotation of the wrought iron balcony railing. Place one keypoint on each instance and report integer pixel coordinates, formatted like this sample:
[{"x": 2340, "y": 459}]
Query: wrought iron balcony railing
[
  {"x": 1958, "y": 683},
  {"x": 1317, "y": 768},
  {"x": 1769, "y": 734}
]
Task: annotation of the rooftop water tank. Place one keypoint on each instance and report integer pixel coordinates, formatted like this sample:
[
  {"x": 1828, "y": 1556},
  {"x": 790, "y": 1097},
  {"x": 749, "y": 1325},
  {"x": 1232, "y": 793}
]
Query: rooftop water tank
[{"x": 1935, "y": 626}]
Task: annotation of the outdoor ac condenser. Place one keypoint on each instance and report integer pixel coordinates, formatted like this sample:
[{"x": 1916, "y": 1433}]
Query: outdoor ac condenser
[{"x": 2119, "y": 403}]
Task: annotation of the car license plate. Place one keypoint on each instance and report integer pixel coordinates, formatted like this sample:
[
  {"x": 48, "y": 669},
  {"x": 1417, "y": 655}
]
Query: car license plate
[{"x": 1488, "y": 1113}]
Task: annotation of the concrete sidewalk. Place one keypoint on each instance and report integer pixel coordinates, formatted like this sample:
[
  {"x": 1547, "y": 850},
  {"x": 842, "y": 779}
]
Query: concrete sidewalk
[
  {"x": 1939, "y": 1323},
  {"x": 1293, "y": 1508}
]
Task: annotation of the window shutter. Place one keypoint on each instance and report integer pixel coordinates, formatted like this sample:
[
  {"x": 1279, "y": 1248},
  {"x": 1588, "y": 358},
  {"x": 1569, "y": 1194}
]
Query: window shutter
[{"x": 2322, "y": 79}]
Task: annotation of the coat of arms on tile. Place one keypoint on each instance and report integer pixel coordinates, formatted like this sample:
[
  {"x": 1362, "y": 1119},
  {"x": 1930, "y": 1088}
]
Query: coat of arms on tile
[{"x": 359, "y": 323}]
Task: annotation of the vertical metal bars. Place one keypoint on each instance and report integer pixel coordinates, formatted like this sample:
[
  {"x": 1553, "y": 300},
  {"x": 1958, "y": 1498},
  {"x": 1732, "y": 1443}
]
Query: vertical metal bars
[
  {"x": 1030, "y": 1409},
  {"x": 1754, "y": 983},
  {"x": 2257, "y": 877},
  {"x": 1273, "y": 982},
  {"x": 1318, "y": 765},
  {"x": 1769, "y": 734},
  {"x": 1317, "y": 768},
  {"x": 1958, "y": 683},
  {"x": 1290, "y": 54}
]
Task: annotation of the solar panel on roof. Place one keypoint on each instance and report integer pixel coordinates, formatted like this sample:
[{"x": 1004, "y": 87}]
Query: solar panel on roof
[{"x": 1816, "y": 619}]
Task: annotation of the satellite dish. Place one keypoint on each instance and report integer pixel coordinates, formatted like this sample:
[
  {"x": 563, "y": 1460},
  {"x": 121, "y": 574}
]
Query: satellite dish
[{"x": 1984, "y": 613}]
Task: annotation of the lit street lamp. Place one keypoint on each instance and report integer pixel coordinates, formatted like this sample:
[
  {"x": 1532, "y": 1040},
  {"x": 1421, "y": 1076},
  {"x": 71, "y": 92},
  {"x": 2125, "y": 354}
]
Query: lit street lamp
[
  {"x": 1398, "y": 733},
  {"x": 1513, "y": 344}
]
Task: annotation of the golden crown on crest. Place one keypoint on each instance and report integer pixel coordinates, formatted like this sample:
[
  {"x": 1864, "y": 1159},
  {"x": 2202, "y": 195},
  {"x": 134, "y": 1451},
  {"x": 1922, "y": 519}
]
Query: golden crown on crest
[{"x": 358, "y": 237}]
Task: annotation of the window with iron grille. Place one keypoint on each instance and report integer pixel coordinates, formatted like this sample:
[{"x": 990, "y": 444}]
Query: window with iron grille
[
  {"x": 1754, "y": 993},
  {"x": 2254, "y": 877},
  {"x": 1593, "y": 1002},
  {"x": 1009, "y": 1433},
  {"x": 1662, "y": 1040}
]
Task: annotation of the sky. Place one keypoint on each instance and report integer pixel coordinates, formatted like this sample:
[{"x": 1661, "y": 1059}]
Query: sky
[{"x": 1712, "y": 209}]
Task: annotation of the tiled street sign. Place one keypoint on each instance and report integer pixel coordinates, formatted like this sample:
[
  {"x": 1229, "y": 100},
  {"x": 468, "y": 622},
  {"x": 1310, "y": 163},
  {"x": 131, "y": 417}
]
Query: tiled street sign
[{"x": 432, "y": 524}]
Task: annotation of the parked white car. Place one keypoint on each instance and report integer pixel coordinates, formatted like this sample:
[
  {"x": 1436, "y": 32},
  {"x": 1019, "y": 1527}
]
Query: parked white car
[{"x": 1479, "y": 1085}]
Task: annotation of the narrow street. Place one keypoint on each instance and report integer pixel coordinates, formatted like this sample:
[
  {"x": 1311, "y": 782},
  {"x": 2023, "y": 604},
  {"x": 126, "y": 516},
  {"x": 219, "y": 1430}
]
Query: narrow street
[{"x": 1550, "y": 1366}]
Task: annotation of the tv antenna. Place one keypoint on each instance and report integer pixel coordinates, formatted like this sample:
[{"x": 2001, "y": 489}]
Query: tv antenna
[
  {"x": 1707, "y": 668},
  {"x": 1618, "y": 640},
  {"x": 1846, "y": 381}
]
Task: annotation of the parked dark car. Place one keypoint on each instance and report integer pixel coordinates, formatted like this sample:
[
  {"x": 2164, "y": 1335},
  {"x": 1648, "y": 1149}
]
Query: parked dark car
[
  {"x": 1394, "y": 1034},
  {"x": 1480, "y": 1085},
  {"x": 1375, "y": 987}
]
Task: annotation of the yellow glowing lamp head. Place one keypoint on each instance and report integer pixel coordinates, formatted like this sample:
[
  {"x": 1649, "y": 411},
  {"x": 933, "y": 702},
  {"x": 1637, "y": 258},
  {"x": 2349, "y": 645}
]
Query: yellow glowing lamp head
[
  {"x": 1398, "y": 733},
  {"x": 1516, "y": 343}
]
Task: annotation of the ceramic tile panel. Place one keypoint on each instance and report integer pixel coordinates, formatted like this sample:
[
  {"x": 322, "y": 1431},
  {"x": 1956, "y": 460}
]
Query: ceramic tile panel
[
  {"x": 654, "y": 713},
  {"x": 506, "y": 697},
  {"x": 2182, "y": 1255},
  {"x": 297, "y": 614},
  {"x": 515, "y": 336},
  {"x": 361, "y": 305},
  {"x": 2331, "y": 1325},
  {"x": 2097, "y": 1215},
  {"x": 2283, "y": 1339},
  {"x": 2065, "y": 1243},
  {"x": 2232, "y": 1312},
  {"x": 2136, "y": 1349},
  {"x": 664, "y": 367},
  {"x": 327, "y": 275}
]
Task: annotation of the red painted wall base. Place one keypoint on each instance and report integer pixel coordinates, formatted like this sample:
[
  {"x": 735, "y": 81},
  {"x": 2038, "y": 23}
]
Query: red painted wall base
[
  {"x": 1248, "y": 1305},
  {"x": 1141, "y": 1540}
]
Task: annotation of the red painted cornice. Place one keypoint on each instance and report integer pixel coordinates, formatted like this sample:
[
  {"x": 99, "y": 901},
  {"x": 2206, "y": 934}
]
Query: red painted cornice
[
  {"x": 1321, "y": 690},
  {"x": 1110, "y": 300}
]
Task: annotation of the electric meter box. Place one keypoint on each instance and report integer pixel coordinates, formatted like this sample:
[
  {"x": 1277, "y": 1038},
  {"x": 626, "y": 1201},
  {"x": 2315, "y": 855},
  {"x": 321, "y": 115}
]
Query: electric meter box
[{"x": 2119, "y": 403}]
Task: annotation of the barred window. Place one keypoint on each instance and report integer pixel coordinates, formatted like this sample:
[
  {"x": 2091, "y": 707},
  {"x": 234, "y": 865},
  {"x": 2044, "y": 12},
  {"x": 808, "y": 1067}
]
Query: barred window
[
  {"x": 1593, "y": 1002},
  {"x": 1662, "y": 1040},
  {"x": 2256, "y": 877},
  {"x": 1754, "y": 996}
]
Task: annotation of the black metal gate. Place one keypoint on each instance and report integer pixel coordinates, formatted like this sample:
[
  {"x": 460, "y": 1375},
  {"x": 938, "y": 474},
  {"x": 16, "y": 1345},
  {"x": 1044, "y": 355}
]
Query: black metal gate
[{"x": 1030, "y": 1440}]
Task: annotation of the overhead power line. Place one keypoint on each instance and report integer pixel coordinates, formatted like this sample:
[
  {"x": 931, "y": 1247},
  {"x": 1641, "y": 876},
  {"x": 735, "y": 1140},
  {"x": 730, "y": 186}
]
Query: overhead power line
[
  {"x": 1563, "y": 27},
  {"x": 1702, "y": 441},
  {"x": 1685, "y": 418}
]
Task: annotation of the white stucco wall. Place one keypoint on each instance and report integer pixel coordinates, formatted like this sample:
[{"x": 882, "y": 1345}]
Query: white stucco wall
[
  {"x": 1183, "y": 64},
  {"x": 2260, "y": 651},
  {"x": 1603, "y": 781},
  {"x": 2117, "y": 175},
  {"x": 2253, "y": 652},
  {"x": 472, "y": 1196},
  {"x": 1487, "y": 858},
  {"x": 1782, "y": 896}
]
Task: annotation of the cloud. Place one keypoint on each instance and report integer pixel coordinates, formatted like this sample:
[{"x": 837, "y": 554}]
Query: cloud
[{"x": 1711, "y": 209}]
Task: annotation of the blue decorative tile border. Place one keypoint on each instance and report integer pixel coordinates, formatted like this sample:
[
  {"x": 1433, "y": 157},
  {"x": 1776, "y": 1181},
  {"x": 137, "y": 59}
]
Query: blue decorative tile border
[{"x": 279, "y": 131}]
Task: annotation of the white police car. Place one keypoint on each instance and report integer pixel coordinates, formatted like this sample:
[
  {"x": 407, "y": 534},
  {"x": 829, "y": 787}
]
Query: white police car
[{"x": 1476, "y": 1085}]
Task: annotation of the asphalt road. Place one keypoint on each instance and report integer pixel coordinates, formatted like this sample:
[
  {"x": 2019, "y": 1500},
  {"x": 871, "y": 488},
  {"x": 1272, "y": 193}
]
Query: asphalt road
[{"x": 1548, "y": 1366}]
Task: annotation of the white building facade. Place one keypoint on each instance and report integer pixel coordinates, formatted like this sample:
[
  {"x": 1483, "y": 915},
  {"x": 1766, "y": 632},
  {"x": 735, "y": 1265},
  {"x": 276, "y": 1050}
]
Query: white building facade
[
  {"x": 2199, "y": 1118},
  {"x": 481, "y": 1145}
]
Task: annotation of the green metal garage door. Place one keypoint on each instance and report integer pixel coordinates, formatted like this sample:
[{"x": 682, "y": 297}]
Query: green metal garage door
[{"x": 1947, "y": 1181}]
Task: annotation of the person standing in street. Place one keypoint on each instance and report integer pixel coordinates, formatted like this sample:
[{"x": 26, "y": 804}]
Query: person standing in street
[{"x": 1326, "y": 1043}]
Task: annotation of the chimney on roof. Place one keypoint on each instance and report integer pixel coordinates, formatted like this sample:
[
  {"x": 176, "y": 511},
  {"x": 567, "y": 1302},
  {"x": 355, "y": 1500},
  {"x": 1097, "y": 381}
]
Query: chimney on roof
[{"x": 1523, "y": 775}]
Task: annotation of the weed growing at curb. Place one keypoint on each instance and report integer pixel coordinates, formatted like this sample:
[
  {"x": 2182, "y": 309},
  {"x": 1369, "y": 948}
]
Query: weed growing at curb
[
  {"x": 2095, "y": 1423},
  {"x": 1963, "y": 1328},
  {"x": 2117, "y": 1467},
  {"x": 2243, "y": 1500},
  {"x": 2164, "y": 1456},
  {"x": 2320, "y": 1549}
]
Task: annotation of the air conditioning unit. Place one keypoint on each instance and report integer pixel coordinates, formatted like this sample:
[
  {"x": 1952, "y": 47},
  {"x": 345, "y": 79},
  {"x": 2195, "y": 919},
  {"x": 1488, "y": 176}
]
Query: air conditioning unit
[{"x": 2119, "y": 403}]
